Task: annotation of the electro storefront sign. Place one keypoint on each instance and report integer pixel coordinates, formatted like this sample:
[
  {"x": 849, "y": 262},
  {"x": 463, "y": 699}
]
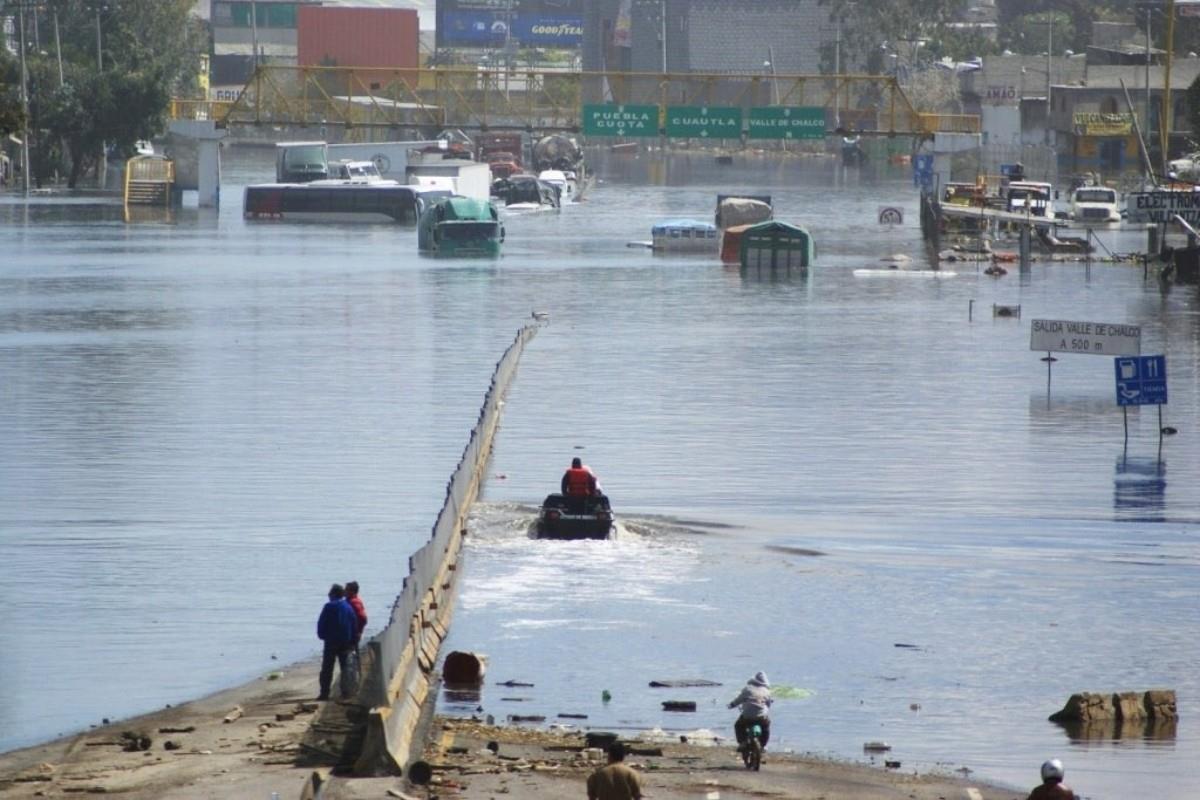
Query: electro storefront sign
[{"x": 520, "y": 23}]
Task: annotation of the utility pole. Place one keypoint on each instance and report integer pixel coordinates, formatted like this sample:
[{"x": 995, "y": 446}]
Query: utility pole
[
  {"x": 254, "y": 31},
  {"x": 24, "y": 105},
  {"x": 663, "y": 33},
  {"x": 837, "y": 71},
  {"x": 774, "y": 82},
  {"x": 102, "y": 163},
  {"x": 1146, "y": 107},
  {"x": 58, "y": 50},
  {"x": 1164, "y": 122},
  {"x": 1049, "y": 67},
  {"x": 508, "y": 19}
]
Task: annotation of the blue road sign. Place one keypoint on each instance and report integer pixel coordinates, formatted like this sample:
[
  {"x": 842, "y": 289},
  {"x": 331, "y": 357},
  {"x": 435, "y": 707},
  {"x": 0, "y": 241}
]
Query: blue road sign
[
  {"x": 1141, "y": 380},
  {"x": 923, "y": 171}
]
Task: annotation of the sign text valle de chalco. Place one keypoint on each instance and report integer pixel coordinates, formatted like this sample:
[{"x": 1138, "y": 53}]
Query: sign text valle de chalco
[{"x": 1094, "y": 338}]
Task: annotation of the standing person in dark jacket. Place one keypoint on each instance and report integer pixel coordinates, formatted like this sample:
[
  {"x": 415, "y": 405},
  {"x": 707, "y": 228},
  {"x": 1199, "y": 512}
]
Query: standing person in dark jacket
[
  {"x": 336, "y": 627},
  {"x": 360, "y": 616}
]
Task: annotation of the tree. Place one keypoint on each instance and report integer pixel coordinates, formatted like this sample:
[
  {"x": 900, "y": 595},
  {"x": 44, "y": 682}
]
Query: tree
[
  {"x": 868, "y": 25},
  {"x": 150, "y": 50},
  {"x": 11, "y": 117}
]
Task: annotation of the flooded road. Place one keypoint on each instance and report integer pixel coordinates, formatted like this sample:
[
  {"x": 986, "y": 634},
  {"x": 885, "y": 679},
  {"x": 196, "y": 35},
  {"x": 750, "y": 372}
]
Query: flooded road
[{"x": 207, "y": 422}]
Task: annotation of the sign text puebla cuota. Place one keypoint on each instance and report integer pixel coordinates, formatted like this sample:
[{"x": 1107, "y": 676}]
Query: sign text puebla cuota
[
  {"x": 611, "y": 119},
  {"x": 1095, "y": 338}
]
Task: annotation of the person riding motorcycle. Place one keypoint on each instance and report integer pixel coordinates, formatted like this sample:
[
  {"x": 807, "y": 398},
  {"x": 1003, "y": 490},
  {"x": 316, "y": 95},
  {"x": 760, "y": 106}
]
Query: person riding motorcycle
[
  {"x": 755, "y": 700},
  {"x": 1052, "y": 787}
]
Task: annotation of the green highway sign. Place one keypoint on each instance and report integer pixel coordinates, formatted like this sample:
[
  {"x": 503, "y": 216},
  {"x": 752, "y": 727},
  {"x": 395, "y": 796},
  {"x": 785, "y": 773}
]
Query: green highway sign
[
  {"x": 704, "y": 122},
  {"x": 787, "y": 122},
  {"x": 610, "y": 119}
]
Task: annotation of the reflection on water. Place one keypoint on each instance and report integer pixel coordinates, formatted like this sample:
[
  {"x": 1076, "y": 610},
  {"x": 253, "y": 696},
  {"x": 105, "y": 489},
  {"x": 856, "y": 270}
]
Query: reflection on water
[
  {"x": 1122, "y": 732},
  {"x": 1139, "y": 489},
  {"x": 462, "y": 698}
]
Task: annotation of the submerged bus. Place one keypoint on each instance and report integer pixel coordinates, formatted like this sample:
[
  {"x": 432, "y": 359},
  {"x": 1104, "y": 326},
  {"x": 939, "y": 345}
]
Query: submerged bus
[{"x": 347, "y": 202}]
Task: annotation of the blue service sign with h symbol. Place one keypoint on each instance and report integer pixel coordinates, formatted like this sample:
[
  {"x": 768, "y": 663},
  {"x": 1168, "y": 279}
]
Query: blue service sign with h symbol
[{"x": 1141, "y": 380}]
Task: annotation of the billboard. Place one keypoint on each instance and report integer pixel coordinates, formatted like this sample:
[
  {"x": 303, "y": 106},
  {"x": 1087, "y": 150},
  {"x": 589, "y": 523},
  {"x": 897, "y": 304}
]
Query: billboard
[{"x": 556, "y": 24}]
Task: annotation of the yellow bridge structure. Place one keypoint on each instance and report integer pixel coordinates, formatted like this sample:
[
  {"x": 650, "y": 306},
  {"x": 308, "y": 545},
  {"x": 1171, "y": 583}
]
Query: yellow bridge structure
[{"x": 370, "y": 103}]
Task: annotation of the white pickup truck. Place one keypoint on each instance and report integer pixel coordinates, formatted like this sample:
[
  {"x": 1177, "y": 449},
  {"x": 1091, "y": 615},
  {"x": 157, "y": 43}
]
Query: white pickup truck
[{"x": 1095, "y": 204}]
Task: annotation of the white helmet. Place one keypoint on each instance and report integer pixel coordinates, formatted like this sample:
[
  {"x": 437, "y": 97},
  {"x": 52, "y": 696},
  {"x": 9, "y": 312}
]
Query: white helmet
[{"x": 1052, "y": 770}]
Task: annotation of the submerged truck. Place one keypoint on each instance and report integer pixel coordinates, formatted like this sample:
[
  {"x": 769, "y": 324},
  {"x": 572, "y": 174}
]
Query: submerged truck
[
  {"x": 503, "y": 151},
  {"x": 460, "y": 226},
  {"x": 557, "y": 151},
  {"x": 301, "y": 162}
]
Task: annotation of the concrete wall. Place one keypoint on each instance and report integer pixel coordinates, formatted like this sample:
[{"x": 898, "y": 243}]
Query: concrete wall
[
  {"x": 399, "y": 665},
  {"x": 728, "y": 36},
  {"x": 1001, "y": 124}
]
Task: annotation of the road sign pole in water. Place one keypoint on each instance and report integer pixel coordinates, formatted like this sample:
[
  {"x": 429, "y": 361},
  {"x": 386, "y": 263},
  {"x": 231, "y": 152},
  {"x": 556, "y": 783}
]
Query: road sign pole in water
[{"x": 1141, "y": 381}]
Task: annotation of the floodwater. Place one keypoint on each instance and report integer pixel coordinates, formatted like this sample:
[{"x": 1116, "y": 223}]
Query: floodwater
[{"x": 206, "y": 421}]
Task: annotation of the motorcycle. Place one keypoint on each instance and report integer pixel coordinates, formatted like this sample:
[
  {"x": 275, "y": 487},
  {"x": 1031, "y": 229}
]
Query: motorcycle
[{"x": 751, "y": 748}]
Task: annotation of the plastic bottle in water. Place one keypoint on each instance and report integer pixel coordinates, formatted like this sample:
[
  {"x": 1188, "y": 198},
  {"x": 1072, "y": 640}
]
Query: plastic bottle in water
[{"x": 274, "y": 795}]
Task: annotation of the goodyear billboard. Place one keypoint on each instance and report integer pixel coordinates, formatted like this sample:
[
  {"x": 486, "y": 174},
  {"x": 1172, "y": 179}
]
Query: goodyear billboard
[{"x": 553, "y": 24}]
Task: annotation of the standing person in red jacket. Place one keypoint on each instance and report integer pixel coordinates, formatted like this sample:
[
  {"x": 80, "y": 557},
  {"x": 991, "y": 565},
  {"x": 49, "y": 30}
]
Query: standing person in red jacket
[{"x": 360, "y": 623}]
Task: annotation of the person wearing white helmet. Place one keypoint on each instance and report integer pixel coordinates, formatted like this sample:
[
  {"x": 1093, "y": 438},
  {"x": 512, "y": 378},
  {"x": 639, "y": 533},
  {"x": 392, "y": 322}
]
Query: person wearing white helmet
[
  {"x": 755, "y": 700},
  {"x": 1052, "y": 787}
]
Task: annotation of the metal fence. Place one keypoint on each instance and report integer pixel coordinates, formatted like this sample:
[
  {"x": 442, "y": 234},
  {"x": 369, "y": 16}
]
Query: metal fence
[{"x": 401, "y": 659}]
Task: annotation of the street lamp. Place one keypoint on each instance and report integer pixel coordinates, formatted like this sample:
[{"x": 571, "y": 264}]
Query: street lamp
[
  {"x": 102, "y": 162},
  {"x": 98, "y": 6}
]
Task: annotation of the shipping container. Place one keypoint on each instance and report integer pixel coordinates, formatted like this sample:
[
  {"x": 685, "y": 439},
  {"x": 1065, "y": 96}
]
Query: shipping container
[{"x": 357, "y": 37}]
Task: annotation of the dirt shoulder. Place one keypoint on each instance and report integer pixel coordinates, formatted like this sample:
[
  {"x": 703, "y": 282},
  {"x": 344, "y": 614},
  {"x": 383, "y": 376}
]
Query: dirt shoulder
[
  {"x": 183, "y": 751},
  {"x": 540, "y": 765},
  {"x": 189, "y": 751}
]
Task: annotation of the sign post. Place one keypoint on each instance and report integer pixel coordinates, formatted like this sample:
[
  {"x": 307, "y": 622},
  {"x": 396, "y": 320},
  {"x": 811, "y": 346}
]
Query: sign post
[
  {"x": 1093, "y": 338},
  {"x": 1141, "y": 381}
]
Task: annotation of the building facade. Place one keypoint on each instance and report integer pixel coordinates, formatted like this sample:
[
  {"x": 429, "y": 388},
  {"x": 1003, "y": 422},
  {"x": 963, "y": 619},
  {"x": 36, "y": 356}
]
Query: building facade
[{"x": 706, "y": 36}]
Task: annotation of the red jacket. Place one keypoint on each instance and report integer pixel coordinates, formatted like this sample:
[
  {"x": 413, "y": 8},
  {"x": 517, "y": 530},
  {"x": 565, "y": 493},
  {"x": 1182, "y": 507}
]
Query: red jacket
[
  {"x": 578, "y": 482},
  {"x": 360, "y": 615}
]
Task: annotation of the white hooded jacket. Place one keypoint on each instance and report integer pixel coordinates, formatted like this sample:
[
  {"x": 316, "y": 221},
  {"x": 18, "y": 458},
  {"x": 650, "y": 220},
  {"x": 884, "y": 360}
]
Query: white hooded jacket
[{"x": 755, "y": 698}]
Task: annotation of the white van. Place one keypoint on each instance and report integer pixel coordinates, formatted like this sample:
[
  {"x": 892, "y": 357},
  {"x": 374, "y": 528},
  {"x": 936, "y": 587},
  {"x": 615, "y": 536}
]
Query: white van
[
  {"x": 1033, "y": 197},
  {"x": 1095, "y": 204}
]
